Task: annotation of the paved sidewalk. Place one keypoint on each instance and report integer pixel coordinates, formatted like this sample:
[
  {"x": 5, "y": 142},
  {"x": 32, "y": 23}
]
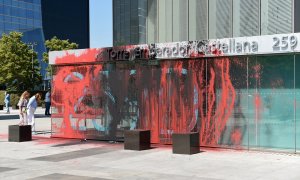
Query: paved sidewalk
[
  {"x": 43, "y": 123},
  {"x": 14, "y": 114},
  {"x": 46, "y": 158}
]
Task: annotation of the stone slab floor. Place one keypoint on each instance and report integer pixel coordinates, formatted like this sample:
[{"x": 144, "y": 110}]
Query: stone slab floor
[{"x": 46, "y": 158}]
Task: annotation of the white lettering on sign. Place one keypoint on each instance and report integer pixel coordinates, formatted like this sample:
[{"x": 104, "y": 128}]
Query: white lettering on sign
[{"x": 268, "y": 44}]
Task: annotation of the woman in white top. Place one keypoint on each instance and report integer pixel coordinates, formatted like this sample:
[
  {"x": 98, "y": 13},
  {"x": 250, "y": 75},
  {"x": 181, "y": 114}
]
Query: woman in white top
[
  {"x": 31, "y": 107},
  {"x": 22, "y": 108}
]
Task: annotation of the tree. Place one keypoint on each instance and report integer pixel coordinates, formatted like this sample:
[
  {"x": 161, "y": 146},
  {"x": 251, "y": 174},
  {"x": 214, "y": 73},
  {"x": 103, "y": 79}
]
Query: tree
[
  {"x": 56, "y": 44},
  {"x": 19, "y": 67}
]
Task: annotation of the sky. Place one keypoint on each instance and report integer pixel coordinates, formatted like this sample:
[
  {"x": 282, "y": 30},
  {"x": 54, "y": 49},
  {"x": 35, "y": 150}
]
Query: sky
[{"x": 100, "y": 23}]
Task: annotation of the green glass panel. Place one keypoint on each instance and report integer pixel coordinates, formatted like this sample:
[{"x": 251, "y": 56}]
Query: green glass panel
[{"x": 271, "y": 102}]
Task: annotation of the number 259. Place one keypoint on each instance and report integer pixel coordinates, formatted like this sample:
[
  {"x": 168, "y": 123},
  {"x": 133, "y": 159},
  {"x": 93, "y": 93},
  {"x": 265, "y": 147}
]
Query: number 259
[{"x": 285, "y": 42}]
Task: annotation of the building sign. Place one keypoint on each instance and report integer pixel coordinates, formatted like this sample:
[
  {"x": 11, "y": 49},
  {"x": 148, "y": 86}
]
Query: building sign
[{"x": 269, "y": 44}]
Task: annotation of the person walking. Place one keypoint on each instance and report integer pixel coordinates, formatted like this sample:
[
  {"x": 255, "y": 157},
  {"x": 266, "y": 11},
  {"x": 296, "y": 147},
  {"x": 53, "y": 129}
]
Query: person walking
[
  {"x": 7, "y": 102},
  {"x": 48, "y": 102},
  {"x": 31, "y": 107},
  {"x": 22, "y": 108}
]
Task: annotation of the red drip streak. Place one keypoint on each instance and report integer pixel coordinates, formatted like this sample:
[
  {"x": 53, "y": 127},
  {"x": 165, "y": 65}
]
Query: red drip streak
[
  {"x": 258, "y": 106},
  {"x": 218, "y": 110},
  {"x": 236, "y": 137}
]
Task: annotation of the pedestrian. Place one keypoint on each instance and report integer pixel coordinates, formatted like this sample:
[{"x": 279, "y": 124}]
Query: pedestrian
[
  {"x": 48, "y": 102},
  {"x": 31, "y": 107},
  {"x": 7, "y": 102},
  {"x": 22, "y": 108}
]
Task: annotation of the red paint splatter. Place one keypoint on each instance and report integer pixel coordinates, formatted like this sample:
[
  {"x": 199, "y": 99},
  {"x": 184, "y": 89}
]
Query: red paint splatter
[
  {"x": 170, "y": 98},
  {"x": 85, "y": 56},
  {"x": 3, "y": 136},
  {"x": 258, "y": 106},
  {"x": 72, "y": 85},
  {"x": 236, "y": 137},
  {"x": 174, "y": 97},
  {"x": 220, "y": 108}
]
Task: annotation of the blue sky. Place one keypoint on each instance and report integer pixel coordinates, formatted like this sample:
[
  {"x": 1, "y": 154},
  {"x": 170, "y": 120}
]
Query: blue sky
[{"x": 100, "y": 23}]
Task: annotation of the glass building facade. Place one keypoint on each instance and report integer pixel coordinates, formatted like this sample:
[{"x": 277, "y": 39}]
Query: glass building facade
[
  {"x": 72, "y": 24},
  {"x": 245, "y": 100},
  {"x": 181, "y": 20},
  {"x": 250, "y": 102},
  {"x": 40, "y": 20},
  {"x": 24, "y": 16},
  {"x": 129, "y": 18}
]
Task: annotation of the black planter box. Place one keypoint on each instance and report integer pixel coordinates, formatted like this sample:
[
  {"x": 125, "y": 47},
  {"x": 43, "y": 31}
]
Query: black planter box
[
  {"x": 137, "y": 140},
  {"x": 1, "y": 107},
  {"x": 186, "y": 143},
  {"x": 18, "y": 133}
]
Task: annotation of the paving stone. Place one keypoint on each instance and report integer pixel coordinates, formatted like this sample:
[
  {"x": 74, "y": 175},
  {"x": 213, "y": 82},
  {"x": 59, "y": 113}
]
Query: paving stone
[
  {"x": 4, "y": 169},
  {"x": 66, "y": 177}
]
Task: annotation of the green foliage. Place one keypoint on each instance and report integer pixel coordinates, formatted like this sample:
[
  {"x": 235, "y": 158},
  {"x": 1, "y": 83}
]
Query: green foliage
[
  {"x": 14, "y": 97},
  {"x": 16, "y": 62},
  {"x": 56, "y": 44},
  {"x": 2, "y": 96}
]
